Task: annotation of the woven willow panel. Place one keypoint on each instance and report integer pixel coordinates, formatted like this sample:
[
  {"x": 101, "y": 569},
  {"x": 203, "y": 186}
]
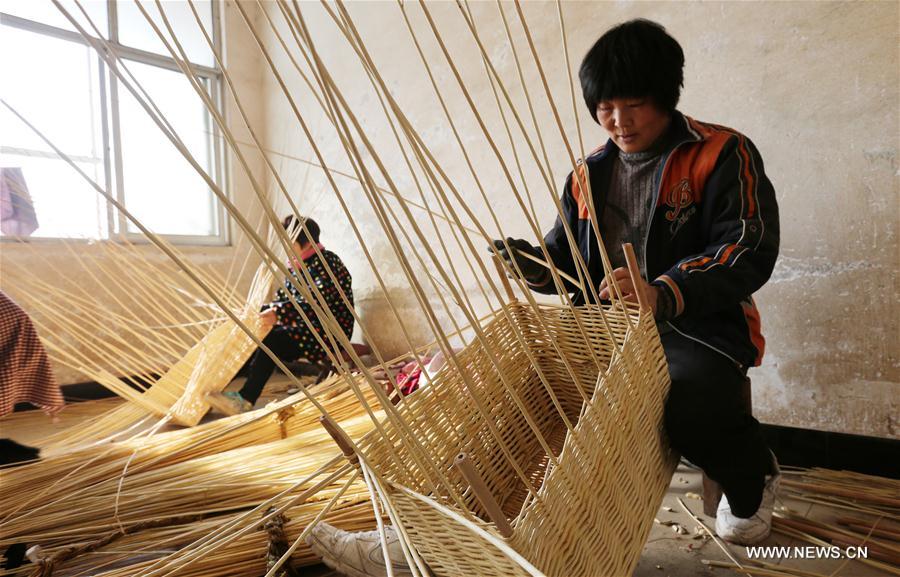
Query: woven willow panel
[{"x": 593, "y": 511}]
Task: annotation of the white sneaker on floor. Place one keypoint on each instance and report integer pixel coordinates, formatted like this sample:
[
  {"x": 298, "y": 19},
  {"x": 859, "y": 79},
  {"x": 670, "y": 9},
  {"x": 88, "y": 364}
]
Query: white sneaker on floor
[
  {"x": 358, "y": 554},
  {"x": 754, "y": 529},
  {"x": 230, "y": 403}
]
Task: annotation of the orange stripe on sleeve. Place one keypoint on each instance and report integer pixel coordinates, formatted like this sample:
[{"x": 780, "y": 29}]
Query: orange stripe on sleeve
[
  {"x": 727, "y": 253},
  {"x": 695, "y": 263},
  {"x": 679, "y": 299},
  {"x": 575, "y": 188},
  {"x": 749, "y": 181},
  {"x": 754, "y": 325}
]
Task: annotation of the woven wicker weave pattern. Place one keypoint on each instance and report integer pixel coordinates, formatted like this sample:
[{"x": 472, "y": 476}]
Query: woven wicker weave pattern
[{"x": 612, "y": 470}]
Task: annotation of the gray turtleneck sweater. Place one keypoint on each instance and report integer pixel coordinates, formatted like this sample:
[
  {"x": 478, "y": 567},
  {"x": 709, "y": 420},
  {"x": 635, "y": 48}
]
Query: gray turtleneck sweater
[
  {"x": 629, "y": 210},
  {"x": 629, "y": 204}
]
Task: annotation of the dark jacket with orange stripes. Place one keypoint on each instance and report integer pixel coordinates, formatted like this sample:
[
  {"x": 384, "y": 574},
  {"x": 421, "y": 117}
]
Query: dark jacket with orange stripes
[{"x": 712, "y": 241}]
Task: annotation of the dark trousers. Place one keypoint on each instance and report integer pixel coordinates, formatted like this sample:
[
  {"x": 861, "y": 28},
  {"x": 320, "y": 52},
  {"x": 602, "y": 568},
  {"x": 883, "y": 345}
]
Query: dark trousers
[
  {"x": 707, "y": 424},
  {"x": 260, "y": 367}
]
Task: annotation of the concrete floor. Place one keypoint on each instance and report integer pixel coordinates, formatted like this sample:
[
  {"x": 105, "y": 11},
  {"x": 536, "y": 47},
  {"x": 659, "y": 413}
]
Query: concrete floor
[{"x": 676, "y": 547}]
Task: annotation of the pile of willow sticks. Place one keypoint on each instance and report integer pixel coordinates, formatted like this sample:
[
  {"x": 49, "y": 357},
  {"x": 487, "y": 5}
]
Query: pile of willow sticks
[
  {"x": 189, "y": 500},
  {"x": 863, "y": 514}
]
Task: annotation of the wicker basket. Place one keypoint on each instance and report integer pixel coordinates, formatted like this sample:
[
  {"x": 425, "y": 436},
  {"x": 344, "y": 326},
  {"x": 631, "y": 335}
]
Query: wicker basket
[{"x": 587, "y": 515}]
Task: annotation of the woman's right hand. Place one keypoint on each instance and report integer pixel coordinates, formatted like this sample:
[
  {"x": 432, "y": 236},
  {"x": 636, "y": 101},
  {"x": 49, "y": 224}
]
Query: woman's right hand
[{"x": 268, "y": 318}]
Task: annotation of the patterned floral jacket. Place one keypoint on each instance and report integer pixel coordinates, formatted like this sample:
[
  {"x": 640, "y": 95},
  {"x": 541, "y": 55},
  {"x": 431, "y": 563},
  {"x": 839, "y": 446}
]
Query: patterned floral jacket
[{"x": 291, "y": 320}]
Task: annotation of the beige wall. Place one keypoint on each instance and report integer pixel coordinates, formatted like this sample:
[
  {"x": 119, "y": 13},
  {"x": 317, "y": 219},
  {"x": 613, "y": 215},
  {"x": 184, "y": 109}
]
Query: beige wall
[
  {"x": 53, "y": 262},
  {"x": 815, "y": 85}
]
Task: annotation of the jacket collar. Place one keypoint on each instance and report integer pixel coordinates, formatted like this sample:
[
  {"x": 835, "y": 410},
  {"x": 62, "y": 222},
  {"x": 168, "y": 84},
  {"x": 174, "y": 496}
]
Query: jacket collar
[{"x": 685, "y": 132}]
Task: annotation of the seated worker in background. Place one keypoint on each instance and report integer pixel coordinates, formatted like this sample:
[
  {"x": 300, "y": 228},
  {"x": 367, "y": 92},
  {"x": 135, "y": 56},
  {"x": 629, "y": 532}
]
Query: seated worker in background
[
  {"x": 694, "y": 201},
  {"x": 291, "y": 338}
]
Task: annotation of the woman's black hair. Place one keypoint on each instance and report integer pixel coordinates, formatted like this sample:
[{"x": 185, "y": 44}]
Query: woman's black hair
[
  {"x": 636, "y": 59},
  {"x": 292, "y": 225}
]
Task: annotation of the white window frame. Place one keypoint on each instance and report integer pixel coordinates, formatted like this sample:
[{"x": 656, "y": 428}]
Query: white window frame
[{"x": 111, "y": 125}]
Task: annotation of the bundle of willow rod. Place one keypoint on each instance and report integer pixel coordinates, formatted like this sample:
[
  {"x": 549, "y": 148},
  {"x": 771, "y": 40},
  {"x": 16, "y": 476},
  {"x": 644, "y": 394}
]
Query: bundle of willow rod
[
  {"x": 867, "y": 507},
  {"x": 191, "y": 347},
  {"x": 558, "y": 408},
  {"x": 854, "y": 511},
  {"x": 212, "y": 477}
]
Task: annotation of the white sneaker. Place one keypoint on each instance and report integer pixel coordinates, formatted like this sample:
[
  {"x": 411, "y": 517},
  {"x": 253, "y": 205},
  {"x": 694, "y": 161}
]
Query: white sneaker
[
  {"x": 753, "y": 529},
  {"x": 358, "y": 554}
]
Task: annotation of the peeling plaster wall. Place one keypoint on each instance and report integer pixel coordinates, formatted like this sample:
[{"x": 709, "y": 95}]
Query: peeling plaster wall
[
  {"x": 52, "y": 262},
  {"x": 815, "y": 85}
]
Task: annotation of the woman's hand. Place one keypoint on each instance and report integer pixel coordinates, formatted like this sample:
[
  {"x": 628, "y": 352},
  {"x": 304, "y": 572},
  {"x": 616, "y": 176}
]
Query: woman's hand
[
  {"x": 268, "y": 318},
  {"x": 629, "y": 292}
]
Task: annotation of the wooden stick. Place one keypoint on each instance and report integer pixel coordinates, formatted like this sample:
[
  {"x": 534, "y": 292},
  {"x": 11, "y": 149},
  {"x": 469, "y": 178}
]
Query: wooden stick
[
  {"x": 341, "y": 438},
  {"x": 840, "y": 492},
  {"x": 503, "y": 279},
  {"x": 709, "y": 532},
  {"x": 841, "y": 535},
  {"x": 483, "y": 494},
  {"x": 876, "y": 529},
  {"x": 636, "y": 280}
]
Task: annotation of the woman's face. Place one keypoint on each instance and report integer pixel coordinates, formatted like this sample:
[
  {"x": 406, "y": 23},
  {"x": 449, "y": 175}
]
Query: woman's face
[{"x": 634, "y": 124}]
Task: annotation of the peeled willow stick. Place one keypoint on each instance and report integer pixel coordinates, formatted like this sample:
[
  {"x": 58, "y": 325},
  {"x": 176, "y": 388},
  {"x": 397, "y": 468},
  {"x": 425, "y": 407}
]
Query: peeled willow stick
[
  {"x": 764, "y": 570},
  {"x": 483, "y": 494},
  {"x": 478, "y": 335},
  {"x": 414, "y": 282}
]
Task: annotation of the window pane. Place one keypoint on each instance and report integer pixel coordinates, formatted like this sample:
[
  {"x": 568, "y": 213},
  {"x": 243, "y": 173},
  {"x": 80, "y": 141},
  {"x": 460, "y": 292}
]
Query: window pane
[
  {"x": 161, "y": 188},
  {"x": 55, "y": 85},
  {"x": 135, "y": 31},
  {"x": 66, "y": 205},
  {"x": 45, "y": 12}
]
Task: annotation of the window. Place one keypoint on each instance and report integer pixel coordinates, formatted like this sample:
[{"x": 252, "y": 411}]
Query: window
[{"x": 55, "y": 80}]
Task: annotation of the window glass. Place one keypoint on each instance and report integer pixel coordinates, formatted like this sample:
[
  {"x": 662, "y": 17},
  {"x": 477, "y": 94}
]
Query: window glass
[
  {"x": 45, "y": 12},
  {"x": 61, "y": 86},
  {"x": 55, "y": 85},
  {"x": 161, "y": 188},
  {"x": 65, "y": 205},
  {"x": 135, "y": 31}
]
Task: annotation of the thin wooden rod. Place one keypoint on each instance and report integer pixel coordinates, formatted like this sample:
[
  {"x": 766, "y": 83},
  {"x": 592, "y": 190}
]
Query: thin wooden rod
[
  {"x": 503, "y": 279},
  {"x": 567, "y": 229},
  {"x": 340, "y": 438},
  {"x": 465, "y": 466},
  {"x": 243, "y": 223},
  {"x": 153, "y": 238},
  {"x": 581, "y": 265},
  {"x": 525, "y": 289},
  {"x": 537, "y": 366},
  {"x": 415, "y": 452},
  {"x": 412, "y": 561},
  {"x": 479, "y": 335},
  {"x": 637, "y": 282},
  {"x": 493, "y": 81},
  {"x": 399, "y": 318},
  {"x": 369, "y": 67},
  {"x": 583, "y": 178}
]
